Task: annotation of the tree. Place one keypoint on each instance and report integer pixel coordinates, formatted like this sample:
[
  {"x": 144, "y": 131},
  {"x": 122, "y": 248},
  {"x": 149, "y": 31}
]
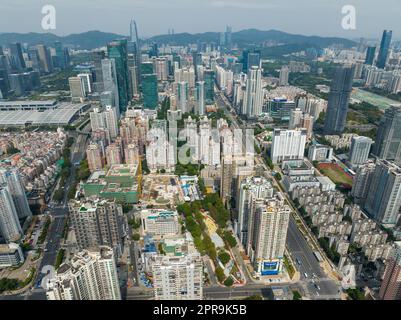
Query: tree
[
  {"x": 136, "y": 237},
  {"x": 296, "y": 295},
  {"x": 278, "y": 176},
  {"x": 230, "y": 239},
  {"x": 229, "y": 282},
  {"x": 220, "y": 274},
  {"x": 224, "y": 257}
]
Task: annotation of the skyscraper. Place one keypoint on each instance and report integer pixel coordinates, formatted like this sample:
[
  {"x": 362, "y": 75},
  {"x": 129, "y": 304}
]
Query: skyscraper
[
  {"x": 10, "y": 228},
  {"x": 361, "y": 182},
  {"x": 200, "y": 97},
  {"x": 97, "y": 58},
  {"x": 109, "y": 80},
  {"x": 12, "y": 179},
  {"x": 95, "y": 157},
  {"x": 89, "y": 275},
  {"x": 117, "y": 50},
  {"x": 251, "y": 189},
  {"x": 360, "y": 148},
  {"x": 208, "y": 77},
  {"x": 384, "y": 197},
  {"x": 253, "y": 99},
  {"x": 391, "y": 286},
  {"x": 370, "y": 55},
  {"x": 45, "y": 60},
  {"x": 97, "y": 223},
  {"x": 388, "y": 140},
  {"x": 149, "y": 91},
  {"x": 61, "y": 58},
  {"x": 77, "y": 89},
  {"x": 268, "y": 233},
  {"x": 178, "y": 277},
  {"x": 384, "y": 49},
  {"x": 337, "y": 108},
  {"x": 284, "y": 74},
  {"x": 17, "y": 59},
  {"x": 183, "y": 97}
]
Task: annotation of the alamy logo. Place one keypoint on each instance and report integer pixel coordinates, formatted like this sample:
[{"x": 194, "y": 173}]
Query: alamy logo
[
  {"x": 49, "y": 18},
  {"x": 349, "y": 19}
]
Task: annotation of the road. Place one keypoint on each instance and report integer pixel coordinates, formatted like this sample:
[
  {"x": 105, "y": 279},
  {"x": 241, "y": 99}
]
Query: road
[
  {"x": 59, "y": 214},
  {"x": 296, "y": 243}
]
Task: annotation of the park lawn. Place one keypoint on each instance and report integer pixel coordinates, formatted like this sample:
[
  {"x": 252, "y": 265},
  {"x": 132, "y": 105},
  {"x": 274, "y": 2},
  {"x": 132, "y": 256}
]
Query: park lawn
[{"x": 336, "y": 174}]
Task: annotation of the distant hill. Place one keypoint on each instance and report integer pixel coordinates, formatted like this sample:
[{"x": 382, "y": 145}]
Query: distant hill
[
  {"x": 86, "y": 40},
  {"x": 249, "y": 37},
  {"x": 253, "y": 37}
]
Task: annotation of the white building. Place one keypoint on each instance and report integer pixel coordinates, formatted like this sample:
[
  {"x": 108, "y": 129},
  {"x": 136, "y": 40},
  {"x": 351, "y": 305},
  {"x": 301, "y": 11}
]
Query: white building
[
  {"x": 288, "y": 144},
  {"x": 10, "y": 228},
  {"x": 160, "y": 222},
  {"x": 253, "y": 99},
  {"x": 178, "y": 277},
  {"x": 283, "y": 77},
  {"x": 360, "y": 149},
  {"x": 90, "y": 275}
]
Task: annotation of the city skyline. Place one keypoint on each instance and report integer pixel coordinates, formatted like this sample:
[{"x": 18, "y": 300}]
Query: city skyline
[{"x": 327, "y": 17}]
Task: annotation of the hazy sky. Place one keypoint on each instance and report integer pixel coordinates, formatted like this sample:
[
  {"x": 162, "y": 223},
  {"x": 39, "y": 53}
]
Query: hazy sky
[{"x": 317, "y": 17}]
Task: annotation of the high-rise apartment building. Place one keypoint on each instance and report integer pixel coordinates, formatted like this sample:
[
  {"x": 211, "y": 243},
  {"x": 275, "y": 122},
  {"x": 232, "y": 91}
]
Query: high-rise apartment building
[
  {"x": 288, "y": 144},
  {"x": 284, "y": 75},
  {"x": 11, "y": 178},
  {"x": 361, "y": 182},
  {"x": 391, "y": 286},
  {"x": 178, "y": 277},
  {"x": 10, "y": 228},
  {"x": 97, "y": 223},
  {"x": 388, "y": 140},
  {"x": 113, "y": 154},
  {"x": 360, "y": 149},
  {"x": 384, "y": 196},
  {"x": 95, "y": 157},
  {"x": 253, "y": 99},
  {"x": 89, "y": 275},
  {"x": 251, "y": 189},
  {"x": 340, "y": 93}
]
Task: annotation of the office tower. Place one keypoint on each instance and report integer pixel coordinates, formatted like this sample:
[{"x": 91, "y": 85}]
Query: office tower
[
  {"x": 10, "y": 228},
  {"x": 388, "y": 140},
  {"x": 253, "y": 99},
  {"x": 295, "y": 118},
  {"x": 154, "y": 50},
  {"x": 228, "y": 36},
  {"x": 360, "y": 149},
  {"x": 77, "y": 89},
  {"x": 183, "y": 97},
  {"x": 391, "y": 286},
  {"x": 253, "y": 60},
  {"x": 384, "y": 196},
  {"x": 134, "y": 74},
  {"x": 111, "y": 121},
  {"x": 177, "y": 277},
  {"x": 109, "y": 79},
  {"x": 45, "y": 60},
  {"x": 208, "y": 77},
  {"x": 267, "y": 234},
  {"x": 370, "y": 55},
  {"x": 337, "y": 108},
  {"x": 95, "y": 157},
  {"x": 113, "y": 154},
  {"x": 86, "y": 80},
  {"x": 134, "y": 47},
  {"x": 197, "y": 62},
  {"x": 250, "y": 190},
  {"x": 283, "y": 77},
  {"x": 200, "y": 98},
  {"x": 97, "y": 223},
  {"x": 89, "y": 275},
  {"x": 288, "y": 144},
  {"x": 384, "y": 49},
  {"x": 13, "y": 181},
  {"x": 117, "y": 50},
  {"x": 361, "y": 182},
  {"x": 226, "y": 180},
  {"x": 149, "y": 91},
  {"x": 147, "y": 68},
  {"x": 61, "y": 58},
  {"x": 16, "y": 57},
  {"x": 97, "y": 58}
]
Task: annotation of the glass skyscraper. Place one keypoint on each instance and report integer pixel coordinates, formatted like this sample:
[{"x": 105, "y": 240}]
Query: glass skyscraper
[
  {"x": 208, "y": 77},
  {"x": 117, "y": 50},
  {"x": 149, "y": 91},
  {"x": 370, "y": 55},
  {"x": 384, "y": 48},
  {"x": 337, "y": 108}
]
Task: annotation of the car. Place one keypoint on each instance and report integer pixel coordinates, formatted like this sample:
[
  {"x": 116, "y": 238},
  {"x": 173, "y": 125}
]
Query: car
[
  {"x": 298, "y": 261},
  {"x": 305, "y": 274}
]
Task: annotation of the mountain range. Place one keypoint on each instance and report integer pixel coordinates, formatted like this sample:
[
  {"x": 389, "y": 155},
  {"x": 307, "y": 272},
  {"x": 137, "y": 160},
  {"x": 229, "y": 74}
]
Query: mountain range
[{"x": 96, "y": 39}]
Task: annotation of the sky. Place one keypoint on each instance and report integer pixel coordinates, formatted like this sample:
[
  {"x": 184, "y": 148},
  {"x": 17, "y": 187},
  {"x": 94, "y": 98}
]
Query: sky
[{"x": 154, "y": 17}]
